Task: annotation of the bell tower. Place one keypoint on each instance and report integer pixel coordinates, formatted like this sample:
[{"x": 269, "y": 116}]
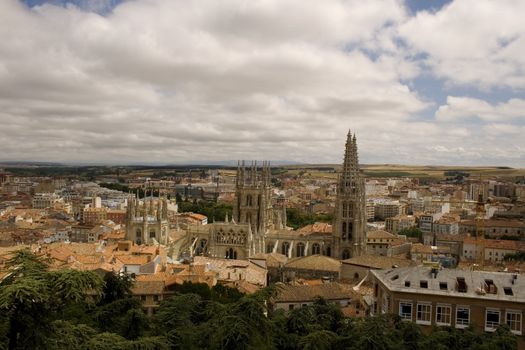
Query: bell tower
[{"x": 349, "y": 230}]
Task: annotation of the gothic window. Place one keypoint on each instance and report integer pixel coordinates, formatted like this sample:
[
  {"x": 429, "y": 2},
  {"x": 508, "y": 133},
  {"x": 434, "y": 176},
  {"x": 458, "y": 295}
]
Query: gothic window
[
  {"x": 346, "y": 254},
  {"x": 300, "y": 249},
  {"x": 328, "y": 251},
  {"x": 343, "y": 231},
  {"x": 316, "y": 248},
  {"x": 344, "y": 210},
  {"x": 231, "y": 253},
  {"x": 285, "y": 247},
  {"x": 350, "y": 229}
]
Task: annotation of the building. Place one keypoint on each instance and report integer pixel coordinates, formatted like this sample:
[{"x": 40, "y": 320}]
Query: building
[
  {"x": 147, "y": 220},
  {"x": 259, "y": 226},
  {"x": 447, "y": 224},
  {"x": 399, "y": 222},
  {"x": 430, "y": 296},
  {"x": 44, "y": 200},
  {"x": 359, "y": 267},
  {"x": 384, "y": 210},
  {"x": 290, "y": 297},
  {"x": 93, "y": 216},
  {"x": 349, "y": 232},
  {"x": 493, "y": 228},
  {"x": 493, "y": 250}
]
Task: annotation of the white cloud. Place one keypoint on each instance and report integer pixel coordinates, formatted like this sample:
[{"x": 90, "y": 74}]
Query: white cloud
[
  {"x": 472, "y": 42},
  {"x": 170, "y": 81},
  {"x": 458, "y": 108}
]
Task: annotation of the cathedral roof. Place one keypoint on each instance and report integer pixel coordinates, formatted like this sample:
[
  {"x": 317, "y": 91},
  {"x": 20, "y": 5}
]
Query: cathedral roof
[
  {"x": 314, "y": 262},
  {"x": 318, "y": 227}
]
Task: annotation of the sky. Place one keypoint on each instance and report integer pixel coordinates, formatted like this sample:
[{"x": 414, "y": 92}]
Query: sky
[{"x": 163, "y": 82}]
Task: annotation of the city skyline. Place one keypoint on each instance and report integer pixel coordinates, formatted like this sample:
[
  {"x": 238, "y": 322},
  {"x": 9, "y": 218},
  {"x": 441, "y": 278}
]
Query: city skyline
[{"x": 158, "y": 82}]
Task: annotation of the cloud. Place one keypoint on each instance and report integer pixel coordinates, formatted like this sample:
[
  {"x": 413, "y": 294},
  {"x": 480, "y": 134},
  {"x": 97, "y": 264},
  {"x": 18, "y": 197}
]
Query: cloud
[
  {"x": 458, "y": 108},
  {"x": 478, "y": 43},
  {"x": 158, "y": 81}
]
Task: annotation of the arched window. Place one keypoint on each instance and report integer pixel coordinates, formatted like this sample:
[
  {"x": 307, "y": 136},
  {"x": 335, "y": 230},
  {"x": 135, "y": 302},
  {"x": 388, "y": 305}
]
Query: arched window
[
  {"x": 285, "y": 247},
  {"x": 231, "y": 253},
  {"x": 328, "y": 251},
  {"x": 346, "y": 254},
  {"x": 316, "y": 249},
  {"x": 300, "y": 249}
]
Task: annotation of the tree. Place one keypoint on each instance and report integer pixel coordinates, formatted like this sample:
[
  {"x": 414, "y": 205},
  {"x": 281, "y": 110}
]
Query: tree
[{"x": 30, "y": 296}]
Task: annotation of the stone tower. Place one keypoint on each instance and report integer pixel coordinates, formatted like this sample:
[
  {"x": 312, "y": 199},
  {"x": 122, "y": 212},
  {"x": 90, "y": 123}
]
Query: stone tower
[
  {"x": 147, "y": 220},
  {"x": 349, "y": 237},
  {"x": 253, "y": 200}
]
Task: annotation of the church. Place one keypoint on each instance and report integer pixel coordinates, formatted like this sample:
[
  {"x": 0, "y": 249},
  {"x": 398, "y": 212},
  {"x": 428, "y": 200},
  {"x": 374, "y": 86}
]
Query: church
[{"x": 259, "y": 226}]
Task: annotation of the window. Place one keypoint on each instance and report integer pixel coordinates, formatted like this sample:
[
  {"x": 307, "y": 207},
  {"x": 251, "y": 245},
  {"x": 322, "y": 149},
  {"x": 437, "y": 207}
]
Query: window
[
  {"x": 443, "y": 313},
  {"x": 346, "y": 254},
  {"x": 405, "y": 310},
  {"x": 508, "y": 291},
  {"x": 407, "y": 283},
  {"x": 514, "y": 321},
  {"x": 284, "y": 248},
  {"x": 316, "y": 248},
  {"x": 462, "y": 316},
  {"x": 300, "y": 249},
  {"x": 443, "y": 285},
  {"x": 423, "y": 284},
  {"x": 291, "y": 306},
  {"x": 155, "y": 298},
  {"x": 424, "y": 313},
  {"x": 491, "y": 320},
  {"x": 385, "y": 306}
]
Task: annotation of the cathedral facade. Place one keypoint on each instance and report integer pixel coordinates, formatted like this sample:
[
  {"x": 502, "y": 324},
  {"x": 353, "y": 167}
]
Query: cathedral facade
[
  {"x": 258, "y": 223},
  {"x": 147, "y": 220}
]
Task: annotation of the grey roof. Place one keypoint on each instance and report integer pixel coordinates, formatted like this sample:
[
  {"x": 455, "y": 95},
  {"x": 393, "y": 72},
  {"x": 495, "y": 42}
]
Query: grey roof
[{"x": 478, "y": 283}]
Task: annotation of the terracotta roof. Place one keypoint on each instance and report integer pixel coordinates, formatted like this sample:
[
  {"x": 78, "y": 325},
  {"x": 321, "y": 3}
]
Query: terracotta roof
[
  {"x": 134, "y": 259},
  {"x": 329, "y": 291},
  {"x": 314, "y": 262},
  {"x": 496, "y": 243},
  {"x": 272, "y": 259},
  {"x": 318, "y": 227},
  {"x": 379, "y": 234},
  {"x": 377, "y": 261},
  {"x": 495, "y": 223},
  {"x": 148, "y": 287}
]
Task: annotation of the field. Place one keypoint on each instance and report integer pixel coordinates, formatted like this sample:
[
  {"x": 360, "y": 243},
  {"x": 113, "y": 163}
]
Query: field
[{"x": 395, "y": 170}]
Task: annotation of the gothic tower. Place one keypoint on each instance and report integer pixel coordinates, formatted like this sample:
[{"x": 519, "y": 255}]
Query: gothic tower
[
  {"x": 253, "y": 200},
  {"x": 147, "y": 220},
  {"x": 349, "y": 237}
]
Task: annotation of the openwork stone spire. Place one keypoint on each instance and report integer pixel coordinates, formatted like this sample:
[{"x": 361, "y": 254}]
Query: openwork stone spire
[{"x": 350, "y": 208}]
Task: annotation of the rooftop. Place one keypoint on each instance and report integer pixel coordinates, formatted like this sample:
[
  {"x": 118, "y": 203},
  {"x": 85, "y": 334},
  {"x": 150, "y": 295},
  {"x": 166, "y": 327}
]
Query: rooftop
[{"x": 454, "y": 282}]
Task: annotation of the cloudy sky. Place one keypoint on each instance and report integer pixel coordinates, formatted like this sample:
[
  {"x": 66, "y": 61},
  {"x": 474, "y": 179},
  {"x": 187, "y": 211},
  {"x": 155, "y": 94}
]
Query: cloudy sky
[{"x": 166, "y": 81}]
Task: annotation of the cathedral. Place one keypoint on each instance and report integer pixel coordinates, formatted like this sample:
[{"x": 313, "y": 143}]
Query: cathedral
[
  {"x": 147, "y": 220},
  {"x": 258, "y": 225}
]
